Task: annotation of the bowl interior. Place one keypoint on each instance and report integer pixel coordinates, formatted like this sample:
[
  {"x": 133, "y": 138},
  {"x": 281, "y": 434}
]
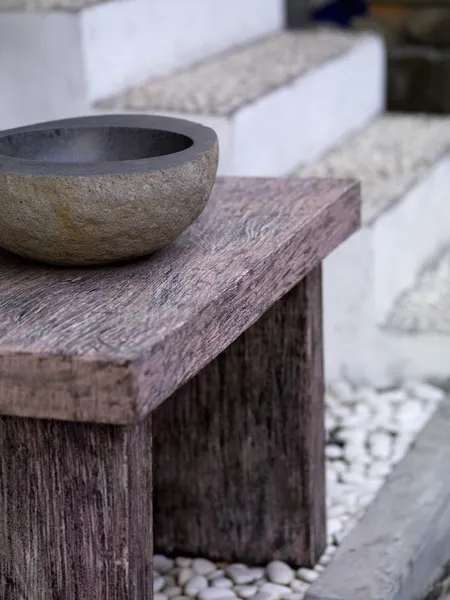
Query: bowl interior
[{"x": 92, "y": 144}]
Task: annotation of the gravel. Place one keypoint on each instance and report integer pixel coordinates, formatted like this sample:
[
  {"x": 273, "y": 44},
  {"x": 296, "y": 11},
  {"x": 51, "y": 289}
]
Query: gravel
[{"x": 368, "y": 432}]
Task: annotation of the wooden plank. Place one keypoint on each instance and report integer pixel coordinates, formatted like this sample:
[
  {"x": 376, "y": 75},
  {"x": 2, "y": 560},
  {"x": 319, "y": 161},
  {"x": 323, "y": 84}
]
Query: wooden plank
[
  {"x": 401, "y": 544},
  {"x": 109, "y": 344},
  {"x": 76, "y": 511},
  {"x": 239, "y": 450}
]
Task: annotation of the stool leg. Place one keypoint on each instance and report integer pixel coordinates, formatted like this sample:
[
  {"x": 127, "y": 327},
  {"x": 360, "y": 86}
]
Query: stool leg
[
  {"x": 239, "y": 450},
  {"x": 75, "y": 511}
]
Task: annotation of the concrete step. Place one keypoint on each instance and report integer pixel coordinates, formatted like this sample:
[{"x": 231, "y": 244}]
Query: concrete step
[
  {"x": 59, "y": 56},
  {"x": 274, "y": 103},
  {"x": 418, "y": 326},
  {"x": 404, "y": 165}
]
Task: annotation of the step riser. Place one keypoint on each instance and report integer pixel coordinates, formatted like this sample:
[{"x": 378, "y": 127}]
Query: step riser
[
  {"x": 158, "y": 37},
  {"x": 312, "y": 114},
  {"x": 409, "y": 235},
  {"x": 41, "y": 71},
  {"x": 71, "y": 59},
  {"x": 348, "y": 281}
]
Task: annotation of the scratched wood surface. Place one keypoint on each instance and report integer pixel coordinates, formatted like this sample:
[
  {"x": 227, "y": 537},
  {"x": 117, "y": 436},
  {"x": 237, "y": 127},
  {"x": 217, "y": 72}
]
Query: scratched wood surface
[
  {"x": 239, "y": 450},
  {"x": 109, "y": 344},
  {"x": 76, "y": 511}
]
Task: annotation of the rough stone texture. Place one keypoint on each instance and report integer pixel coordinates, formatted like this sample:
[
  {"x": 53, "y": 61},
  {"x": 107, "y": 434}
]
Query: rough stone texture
[
  {"x": 395, "y": 553},
  {"x": 222, "y": 85},
  {"x": 429, "y": 26},
  {"x": 95, "y": 213},
  {"x": 426, "y": 306},
  {"x": 388, "y": 157},
  {"x": 419, "y": 79}
]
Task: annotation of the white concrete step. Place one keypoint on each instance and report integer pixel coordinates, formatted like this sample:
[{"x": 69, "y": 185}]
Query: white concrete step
[
  {"x": 418, "y": 326},
  {"x": 403, "y": 163},
  {"x": 59, "y": 56},
  {"x": 274, "y": 103}
]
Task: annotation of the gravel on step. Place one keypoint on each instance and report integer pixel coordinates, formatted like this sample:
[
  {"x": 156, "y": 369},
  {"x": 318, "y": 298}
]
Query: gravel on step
[{"x": 368, "y": 432}]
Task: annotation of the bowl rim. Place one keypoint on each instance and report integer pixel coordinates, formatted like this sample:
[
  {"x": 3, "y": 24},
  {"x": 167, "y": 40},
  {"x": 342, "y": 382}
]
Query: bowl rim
[{"x": 203, "y": 139}]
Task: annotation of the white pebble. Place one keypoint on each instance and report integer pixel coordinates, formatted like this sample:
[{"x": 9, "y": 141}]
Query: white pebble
[
  {"x": 202, "y": 566},
  {"x": 342, "y": 390},
  {"x": 172, "y": 591},
  {"x": 257, "y": 572},
  {"x": 162, "y": 564},
  {"x": 307, "y": 575},
  {"x": 336, "y": 511},
  {"x": 158, "y": 584},
  {"x": 274, "y": 590},
  {"x": 240, "y": 574},
  {"x": 222, "y": 582},
  {"x": 213, "y": 593},
  {"x": 261, "y": 596},
  {"x": 196, "y": 585},
  {"x": 379, "y": 469},
  {"x": 338, "y": 466},
  {"x": 333, "y": 451},
  {"x": 215, "y": 574},
  {"x": 319, "y": 568},
  {"x": 183, "y": 562},
  {"x": 333, "y": 526},
  {"x": 353, "y": 477},
  {"x": 279, "y": 572},
  {"x": 380, "y": 445},
  {"x": 246, "y": 591},
  {"x": 159, "y": 597},
  {"x": 325, "y": 560},
  {"x": 393, "y": 396},
  {"x": 294, "y": 596},
  {"x": 184, "y": 575},
  {"x": 299, "y": 586}
]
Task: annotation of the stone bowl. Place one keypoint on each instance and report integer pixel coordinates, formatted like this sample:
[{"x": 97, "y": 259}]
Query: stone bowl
[{"x": 102, "y": 189}]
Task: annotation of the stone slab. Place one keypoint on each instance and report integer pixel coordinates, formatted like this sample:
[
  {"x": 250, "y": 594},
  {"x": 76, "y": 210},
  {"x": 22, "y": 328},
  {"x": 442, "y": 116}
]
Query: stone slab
[
  {"x": 224, "y": 84},
  {"x": 419, "y": 79},
  {"x": 401, "y": 544},
  {"x": 389, "y": 157},
  {"x": 425, "y": 307}
]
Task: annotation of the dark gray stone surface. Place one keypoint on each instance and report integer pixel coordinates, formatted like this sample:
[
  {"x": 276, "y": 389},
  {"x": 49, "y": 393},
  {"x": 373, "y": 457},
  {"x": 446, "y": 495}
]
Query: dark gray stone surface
[
  {"x": 419, "y": 80},
  {"x": 401, "y": 544}
]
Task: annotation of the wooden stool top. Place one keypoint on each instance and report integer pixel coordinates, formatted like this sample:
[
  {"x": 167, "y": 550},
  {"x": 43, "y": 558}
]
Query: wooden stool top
[{"x": 108, "y": 344}]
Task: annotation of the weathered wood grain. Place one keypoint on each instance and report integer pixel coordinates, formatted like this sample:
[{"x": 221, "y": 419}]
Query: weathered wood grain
[
  {"x": 239, "y": 450},
  {"x": 109, "y": 344},
  {"x": 75, "y": 511}
]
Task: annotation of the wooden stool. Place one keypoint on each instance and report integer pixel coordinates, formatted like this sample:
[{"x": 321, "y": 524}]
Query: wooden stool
[{"x": 221, "y": 333}]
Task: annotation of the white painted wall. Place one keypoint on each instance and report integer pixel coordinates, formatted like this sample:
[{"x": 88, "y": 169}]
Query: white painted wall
[
  {"x": 55, "y": 63},
  {"x": 41, "y": 71},
  {"x": 127, "y": 41}
]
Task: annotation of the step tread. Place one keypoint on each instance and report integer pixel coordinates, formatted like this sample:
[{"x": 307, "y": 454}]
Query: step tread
[
  {"x": 425, "y": 307},
  {"x": 225, "y": 83},
  {"x": 388, "y": 156},
  {"x": 42, "y": 5}
]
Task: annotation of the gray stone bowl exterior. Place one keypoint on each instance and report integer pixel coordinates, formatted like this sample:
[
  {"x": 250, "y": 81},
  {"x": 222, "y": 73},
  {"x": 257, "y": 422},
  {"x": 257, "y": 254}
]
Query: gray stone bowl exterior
[{"x": 95, "y": 190}]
